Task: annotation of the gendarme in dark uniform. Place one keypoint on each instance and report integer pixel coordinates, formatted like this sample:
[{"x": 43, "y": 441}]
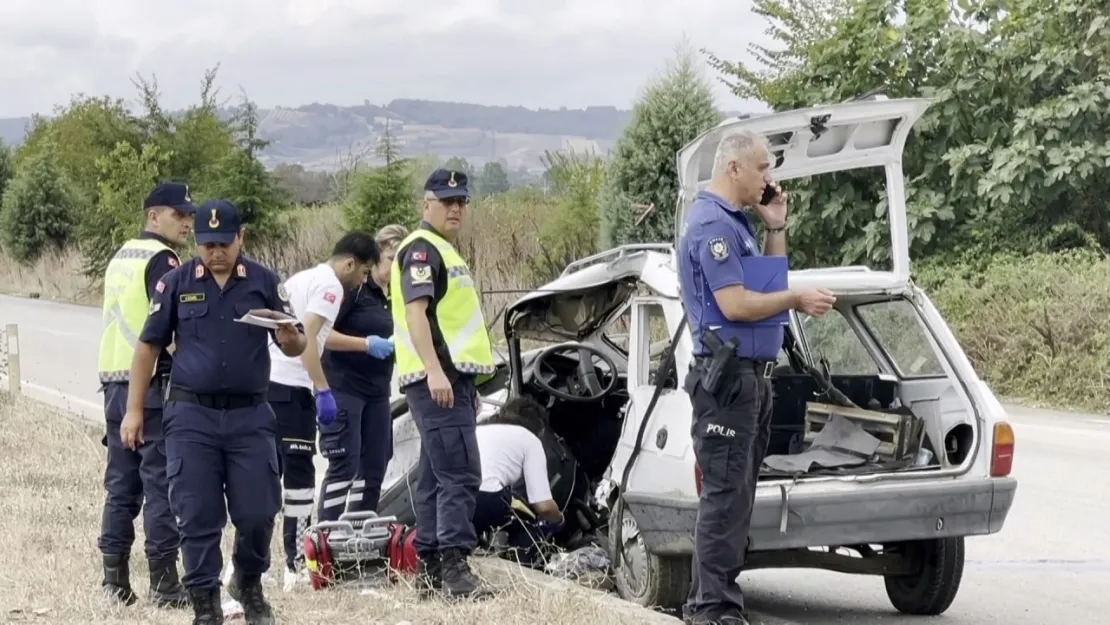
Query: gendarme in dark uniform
[
  {"x": 441, "y": 346},
  {"x": 136, "y": 479},
  {"x": 219, "y": 429}
]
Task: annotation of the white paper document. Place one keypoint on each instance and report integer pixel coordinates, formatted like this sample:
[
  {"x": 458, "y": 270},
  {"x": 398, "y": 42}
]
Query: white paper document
[{"x": 269, "y": 319}]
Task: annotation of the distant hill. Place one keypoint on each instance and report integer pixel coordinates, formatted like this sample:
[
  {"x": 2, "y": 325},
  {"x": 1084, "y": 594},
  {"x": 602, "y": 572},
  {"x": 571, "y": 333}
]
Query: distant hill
[{"x": 317, "y": 136}]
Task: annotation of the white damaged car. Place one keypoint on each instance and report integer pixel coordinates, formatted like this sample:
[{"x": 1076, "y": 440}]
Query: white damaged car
[{"x": 617, "y": 347}]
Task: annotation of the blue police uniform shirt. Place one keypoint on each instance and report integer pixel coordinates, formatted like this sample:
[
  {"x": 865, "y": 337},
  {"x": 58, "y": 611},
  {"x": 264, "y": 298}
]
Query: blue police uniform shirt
[
  {"x": 214, "y": 353},
  {"x": 716, "y": 236},
  {"x": 365, "y": 312}
]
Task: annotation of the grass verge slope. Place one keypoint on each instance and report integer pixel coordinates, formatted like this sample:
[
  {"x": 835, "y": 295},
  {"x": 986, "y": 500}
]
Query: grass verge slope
[{"x": 51, "y": 467}]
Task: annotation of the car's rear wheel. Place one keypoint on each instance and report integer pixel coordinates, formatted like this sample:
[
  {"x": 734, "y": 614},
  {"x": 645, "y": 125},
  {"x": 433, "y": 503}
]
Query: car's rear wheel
[
  {"x": 643, "y": 578},
  {"x": 931, "y": 590}
]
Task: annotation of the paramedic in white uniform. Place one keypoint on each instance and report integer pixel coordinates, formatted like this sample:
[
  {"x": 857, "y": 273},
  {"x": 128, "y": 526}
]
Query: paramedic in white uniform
[
  {"x": 299, "y": 391},
  {"x": 510, "y": 450}
]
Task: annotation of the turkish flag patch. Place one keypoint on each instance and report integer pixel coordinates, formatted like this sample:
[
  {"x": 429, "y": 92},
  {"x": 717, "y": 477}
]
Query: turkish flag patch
[
  {"x": 161, "y": 286},
  {"x": 420, "y": 256},
  {"x": 329, "y": 297},
  {"x": 172, "y": 262}
]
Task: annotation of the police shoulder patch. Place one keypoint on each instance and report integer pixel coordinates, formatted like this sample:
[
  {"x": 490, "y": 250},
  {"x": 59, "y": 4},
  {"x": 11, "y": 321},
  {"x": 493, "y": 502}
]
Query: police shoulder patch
[
  {"x": 718, "y": 248},
  {"x": 172, "y": 261},
  {"x": 282, "y": 294},
  {"x": 420, "y": 274},
  {"x": 155, "y": 306}
]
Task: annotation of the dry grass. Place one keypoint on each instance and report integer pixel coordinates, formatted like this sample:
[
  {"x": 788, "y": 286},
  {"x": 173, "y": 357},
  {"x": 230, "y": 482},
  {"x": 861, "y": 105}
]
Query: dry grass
[{"x": 50, "y": 474}]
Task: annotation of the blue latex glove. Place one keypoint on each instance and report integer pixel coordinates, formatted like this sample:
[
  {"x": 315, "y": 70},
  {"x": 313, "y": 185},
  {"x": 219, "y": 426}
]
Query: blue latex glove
[
  {"x": 378, "y": 347},
  {"x": 325, "y": 407}
]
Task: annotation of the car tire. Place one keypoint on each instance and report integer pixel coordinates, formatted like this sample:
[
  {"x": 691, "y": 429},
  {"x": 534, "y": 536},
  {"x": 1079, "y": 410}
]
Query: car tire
[
  {"x": 930, "y": 591},
  {"x": 643, "y": 578}
]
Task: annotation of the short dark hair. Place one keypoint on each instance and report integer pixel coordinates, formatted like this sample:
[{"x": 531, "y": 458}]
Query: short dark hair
[
  {"x": 359, "y": 245},
  {"x": 524, "y": 411}
]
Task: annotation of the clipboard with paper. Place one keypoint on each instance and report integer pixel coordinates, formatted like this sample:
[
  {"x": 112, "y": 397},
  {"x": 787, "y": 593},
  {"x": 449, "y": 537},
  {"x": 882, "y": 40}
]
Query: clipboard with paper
[
  {"x": 269, "y": 319},
  {"x": 767, "y": 274}
]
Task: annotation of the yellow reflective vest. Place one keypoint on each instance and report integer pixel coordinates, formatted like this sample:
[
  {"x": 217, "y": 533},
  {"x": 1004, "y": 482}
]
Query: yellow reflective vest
[
  {"x": 458, "y": 315},
  {"x": 125, "y": 307}
]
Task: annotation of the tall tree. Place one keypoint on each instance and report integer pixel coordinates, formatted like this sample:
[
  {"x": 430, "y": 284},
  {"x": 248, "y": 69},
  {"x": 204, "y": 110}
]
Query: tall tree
[
  {"x": 384, "y": 195},
  {"x": 1008, "y": 155},
  {"x": 673, "y": 110},
  {"x": 493, "y": 180},
  {"x": 39, "y": 207}
]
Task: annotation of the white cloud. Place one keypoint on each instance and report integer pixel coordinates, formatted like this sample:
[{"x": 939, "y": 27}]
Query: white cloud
[{"x": 565, "y": 53}]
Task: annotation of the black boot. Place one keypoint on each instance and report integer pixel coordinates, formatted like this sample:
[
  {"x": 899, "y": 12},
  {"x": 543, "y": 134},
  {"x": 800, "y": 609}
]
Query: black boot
[
  {"x": 117, "y": 579},
  {"x": 166, "y": 590},
  {"x": 429, "y": 574},
  {"x": 247, "y": 590},
  {"x": 458, "y": 579},
  {"x": 207, "y": 608}
]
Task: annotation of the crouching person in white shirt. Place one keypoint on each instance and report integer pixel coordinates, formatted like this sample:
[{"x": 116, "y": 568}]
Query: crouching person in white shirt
[
  {"x": 299, "y": 391},
  {"x": 511, "y": 451}
]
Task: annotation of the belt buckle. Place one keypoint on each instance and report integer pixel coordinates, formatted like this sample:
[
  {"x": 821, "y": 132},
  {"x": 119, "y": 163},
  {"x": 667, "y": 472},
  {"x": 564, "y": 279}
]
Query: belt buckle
[
  {"x": 768, "y": 368},
  {"x": 221, "y": 402}
]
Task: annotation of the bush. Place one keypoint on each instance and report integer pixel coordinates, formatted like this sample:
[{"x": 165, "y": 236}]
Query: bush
[
  {"x": 39, "y": 208},
  {"x": 1034, "y": 326}
]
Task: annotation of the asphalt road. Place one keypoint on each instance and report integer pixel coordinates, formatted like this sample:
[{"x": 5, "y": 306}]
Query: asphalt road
[{"x": 1050, "y": 563}]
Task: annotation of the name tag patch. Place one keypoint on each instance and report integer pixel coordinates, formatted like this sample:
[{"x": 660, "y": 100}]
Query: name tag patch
[{"x": 190, "y": 298}]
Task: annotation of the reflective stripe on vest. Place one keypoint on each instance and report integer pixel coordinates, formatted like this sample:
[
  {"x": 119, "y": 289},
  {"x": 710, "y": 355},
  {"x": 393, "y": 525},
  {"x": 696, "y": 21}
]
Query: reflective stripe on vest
[
  {"x": 126, "y": 307},
  {"x": 459, "y": 316}
]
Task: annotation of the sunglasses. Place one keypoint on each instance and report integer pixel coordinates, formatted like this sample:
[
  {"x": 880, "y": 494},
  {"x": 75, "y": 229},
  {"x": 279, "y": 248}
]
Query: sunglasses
[{"x": 455, "y": 201}]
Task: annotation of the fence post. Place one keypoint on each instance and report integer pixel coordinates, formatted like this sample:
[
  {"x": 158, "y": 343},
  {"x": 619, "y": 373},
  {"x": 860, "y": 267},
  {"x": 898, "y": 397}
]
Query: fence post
[{"x": 14, "y": 374}]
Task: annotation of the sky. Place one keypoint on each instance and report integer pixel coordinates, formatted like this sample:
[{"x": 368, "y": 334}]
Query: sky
[{"x": 571, "y": 53}]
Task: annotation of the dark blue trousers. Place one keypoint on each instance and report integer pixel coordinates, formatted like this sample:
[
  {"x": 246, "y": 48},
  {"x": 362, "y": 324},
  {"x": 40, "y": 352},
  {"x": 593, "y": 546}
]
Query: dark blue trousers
[
  {"x": 136, "y": 480},
  {"x": 213, "y": 454},
  {"x": 450, "y": 468},
  {"x": 358, "y": 446}
]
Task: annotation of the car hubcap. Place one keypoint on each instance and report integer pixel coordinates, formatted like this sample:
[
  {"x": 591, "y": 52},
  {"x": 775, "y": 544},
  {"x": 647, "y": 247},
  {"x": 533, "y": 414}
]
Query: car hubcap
[{"x": 634, "y": 559}]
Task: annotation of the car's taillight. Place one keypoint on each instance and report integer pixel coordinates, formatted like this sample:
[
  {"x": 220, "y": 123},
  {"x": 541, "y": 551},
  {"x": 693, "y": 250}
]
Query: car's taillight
[
  {"x": 1002, "y": 451},
  {"x": 697, "y": 478}
]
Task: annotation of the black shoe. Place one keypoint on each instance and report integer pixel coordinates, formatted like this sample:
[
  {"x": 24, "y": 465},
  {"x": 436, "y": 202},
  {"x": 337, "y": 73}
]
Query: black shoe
[
  {"x": 429, "y": 574},
  {"x": 248, "y": 592},
  {"x": 117, "y": 580},
  {"x": 207, "y": 607},
  {"x": 458, "y": 580},
  {"x": 166, "y": 590}
]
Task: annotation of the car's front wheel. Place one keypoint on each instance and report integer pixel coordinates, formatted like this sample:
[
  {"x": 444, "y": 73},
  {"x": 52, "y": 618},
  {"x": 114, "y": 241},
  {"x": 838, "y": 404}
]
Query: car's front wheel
[
  {"x": 643, "y": 578},
  {"x": 931, "y": 590}
]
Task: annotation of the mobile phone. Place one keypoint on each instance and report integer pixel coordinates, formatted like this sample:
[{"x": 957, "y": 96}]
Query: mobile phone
[{"x": 769, "y": 194}]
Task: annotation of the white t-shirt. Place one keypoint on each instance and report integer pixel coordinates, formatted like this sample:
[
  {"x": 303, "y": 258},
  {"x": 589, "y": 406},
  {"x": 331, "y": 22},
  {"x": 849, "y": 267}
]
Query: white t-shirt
[
  {"x": 510, "y": 452},
  {"x": 316, "y": 290}
]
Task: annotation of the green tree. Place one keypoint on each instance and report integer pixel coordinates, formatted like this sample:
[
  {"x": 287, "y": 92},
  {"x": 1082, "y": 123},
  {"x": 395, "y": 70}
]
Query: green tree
[
  {"x": 458, "y": 163},
  {"x": 1009, "y": 155},
  {"x": 673, "y": 110},
  {"x": 384, "y": 195},
  {"x": 194, "y": 141},
  {"x": 39, "y": 207},
  {"x": 126, "y": 177},
  {"x": 576, "y": 180},
  {"x": 7, "y": 166},
  {"x": 241, "y": 178},
  {"x": 493, "y": 180},
  {"x": 79, "y": 133}
]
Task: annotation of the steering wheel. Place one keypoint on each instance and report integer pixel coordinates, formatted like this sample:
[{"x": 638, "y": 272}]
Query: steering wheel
[{"x": 585, "y": 387}]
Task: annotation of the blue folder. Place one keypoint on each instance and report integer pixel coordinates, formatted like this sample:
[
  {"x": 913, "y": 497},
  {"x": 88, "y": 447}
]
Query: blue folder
[{"x": 767, "y": 274}]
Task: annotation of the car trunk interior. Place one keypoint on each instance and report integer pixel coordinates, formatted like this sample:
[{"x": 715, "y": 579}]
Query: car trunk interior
[{"x": 873, "y": 368}]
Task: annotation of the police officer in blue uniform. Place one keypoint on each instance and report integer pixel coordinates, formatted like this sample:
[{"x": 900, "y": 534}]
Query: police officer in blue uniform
[
  {"x": 136, "y": 480},
  {"x": 729, "y": 385},
  {"x": 220, "y": 432}
]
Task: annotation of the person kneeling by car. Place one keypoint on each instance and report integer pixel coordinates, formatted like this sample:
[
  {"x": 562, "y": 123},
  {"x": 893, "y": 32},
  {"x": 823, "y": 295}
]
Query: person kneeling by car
[{"x": 511, "y": 451}]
